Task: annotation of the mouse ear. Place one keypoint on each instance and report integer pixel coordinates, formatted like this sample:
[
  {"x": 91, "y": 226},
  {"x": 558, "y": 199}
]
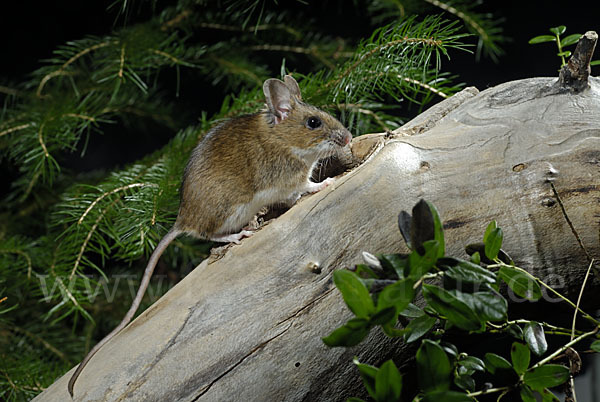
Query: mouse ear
[
  {"x": 292, "y": 85},
  {"x": 279, "y": 99}
]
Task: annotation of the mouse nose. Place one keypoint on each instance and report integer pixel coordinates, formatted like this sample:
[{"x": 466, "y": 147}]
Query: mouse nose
[{"x": 347, "y": 137}]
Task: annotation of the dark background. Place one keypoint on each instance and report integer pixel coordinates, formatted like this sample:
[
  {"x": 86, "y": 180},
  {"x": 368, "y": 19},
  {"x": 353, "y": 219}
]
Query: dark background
[{"x": 31, "y": 30}]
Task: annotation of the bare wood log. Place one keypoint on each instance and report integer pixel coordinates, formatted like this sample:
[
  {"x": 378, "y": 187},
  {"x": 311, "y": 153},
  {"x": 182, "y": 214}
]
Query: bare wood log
[{"x": 247, "y": 326}]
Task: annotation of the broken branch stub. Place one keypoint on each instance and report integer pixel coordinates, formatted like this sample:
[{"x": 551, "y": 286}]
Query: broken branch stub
[{"x": 574, "y": 75}]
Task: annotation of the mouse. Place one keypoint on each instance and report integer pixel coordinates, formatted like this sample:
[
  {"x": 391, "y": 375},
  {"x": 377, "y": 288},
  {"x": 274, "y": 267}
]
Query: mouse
[{"x": 240, "y": 166}]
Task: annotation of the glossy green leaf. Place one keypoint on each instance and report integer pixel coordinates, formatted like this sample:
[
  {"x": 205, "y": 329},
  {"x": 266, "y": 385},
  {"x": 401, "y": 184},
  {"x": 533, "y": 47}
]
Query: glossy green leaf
[
  {"x": 349, "y": 334},
  {"x": 426, "y": 225},
  {"x": 570, "y": 40},
  {"x": 595, "y": 63},
  {"x": 398, "y": 295},
  {"x": 433, "y": 367},
  {"x": 493, "y": 243},
  {"x": 546, "y": 376},
  {"x": 419, "y": 327},
  {"x": 368, "y": 374},
  {"x": 476, "y": 258},
  {"x": 388, "y": 382},
  {"x": 488, "y": 230},
  {"x": 559, "y": 30},
  {"x": 386, "y": 316},
  {"x": 522, "y": 284},
  {"x": 548, "y": 396},
  {"x": 535, "y": 337},
  {"x": 466, "y": 276},
  {"x": 404, "y": 219},
  {"x": 489, "y": 306},
  {"x": 450, "y": 349},
  {"x": 566, "y": 53},
  {"x": 354, "y": 292},
  {"x": 465, "y": 382},
  {"x": 542, "y": 39},
  {"x": 472, "y": 363},
  {"x": 394, "y": 264},
  {"x": 493, "y": 362},
  {"x": 446, "y": 396},
  {"x": 595, "y": 346},
  {"x": 450, "y": 306},
  {"x": 419, "y": 264},
  {"x": 526, "y": 394},
  {"x": 520, "y": 356},
  {"x": 393, "y": 332},
  {"x": 412, "y": 311}
]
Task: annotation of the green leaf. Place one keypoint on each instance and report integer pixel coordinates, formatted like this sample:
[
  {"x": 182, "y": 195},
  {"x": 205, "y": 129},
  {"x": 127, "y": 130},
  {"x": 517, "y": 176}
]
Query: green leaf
[
  {"x": 542, "y": 39},
  {"x": 450, "y": 306},
  {"x": 522, "y": 284},
  {"x": 520, "y": 356},
  {"x": 398, "y": 295},
  {"x": 446, "y": 396},
  {"x": 368, "y": 374},
  {"x": 426, "y": 225},
  {"x": 465, "y": 381},
  {"x": 548, "y": 396},
  {"x": 382, "y": 317},
  {"x": 394, "y": 264},
  {"x": 595, "y": 63},
  {"x": 419, "y": 327},
  {"x": 354, "y": 292},
  {"x": 393, "y": 332},
  {"x": 433, "y": 367},
  {"x": 349, "y": 334},
  {"x": 526, "y": 394},
  {"x": 419, "y": 264},
  {"x": 404, "y": 219},
  {"x": 489, "y": 306},
  {"x": 595, "y": 346},
  {"x": 412, "y": 311},
  {"x": 388, "y": 382},
  {"x": 466, "y": 276},
  {"x": 493, "y": 242},
  {"x": 493, "y": 362},
  {"x": 472, "y": 363},
  {"x": 546, "y": 376},
  {"x": 570, "y": 40},
  {"x": 476, "y": 258},
  {"x": 535, "y": 337},
  {"x": 490, "y": 227},
  {"x": 559, "y": 30},
  {"x": 566, "y": 53}
]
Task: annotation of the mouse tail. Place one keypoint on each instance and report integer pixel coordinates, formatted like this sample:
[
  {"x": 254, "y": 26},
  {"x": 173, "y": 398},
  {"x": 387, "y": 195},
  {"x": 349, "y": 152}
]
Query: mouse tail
[{"x": 160, "y": 248}]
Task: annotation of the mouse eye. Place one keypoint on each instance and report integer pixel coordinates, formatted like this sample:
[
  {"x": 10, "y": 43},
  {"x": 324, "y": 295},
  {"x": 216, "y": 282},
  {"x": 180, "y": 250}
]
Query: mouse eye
[{"x": 313, "y": 122}]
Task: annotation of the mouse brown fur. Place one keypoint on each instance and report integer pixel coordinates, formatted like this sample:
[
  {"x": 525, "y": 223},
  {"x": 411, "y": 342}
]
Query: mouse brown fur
[{"x": 241, "y": 166}]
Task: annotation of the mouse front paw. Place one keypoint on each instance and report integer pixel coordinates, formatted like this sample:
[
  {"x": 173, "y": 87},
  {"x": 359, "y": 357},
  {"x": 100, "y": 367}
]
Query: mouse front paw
[{"x": 316, "y": 187}]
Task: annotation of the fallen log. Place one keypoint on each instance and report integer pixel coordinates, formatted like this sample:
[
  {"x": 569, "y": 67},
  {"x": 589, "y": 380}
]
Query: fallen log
[{"x": 247, "y": 325}]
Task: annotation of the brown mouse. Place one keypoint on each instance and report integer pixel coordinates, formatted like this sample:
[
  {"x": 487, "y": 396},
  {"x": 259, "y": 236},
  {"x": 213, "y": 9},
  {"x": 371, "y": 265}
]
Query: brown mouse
[{"x": 242, "y": 165}]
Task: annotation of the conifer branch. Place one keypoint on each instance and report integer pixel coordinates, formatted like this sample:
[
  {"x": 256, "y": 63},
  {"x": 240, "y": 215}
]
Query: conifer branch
[
  {"x": 113, "y": 191},
  {"x": 9, "y": 91},
  {"x": 463, "y": 16},
  {"x": 61, "y": 69},
  {"x": 22, "y": 254},
  {"x": 43, "y": 342},
  {"x": 101, "y": 215},
  {"x": 13, "y": 129}
]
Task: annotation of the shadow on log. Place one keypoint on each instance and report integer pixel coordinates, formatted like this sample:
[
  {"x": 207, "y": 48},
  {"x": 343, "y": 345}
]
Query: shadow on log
[{"x": 247, "y": 326}]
